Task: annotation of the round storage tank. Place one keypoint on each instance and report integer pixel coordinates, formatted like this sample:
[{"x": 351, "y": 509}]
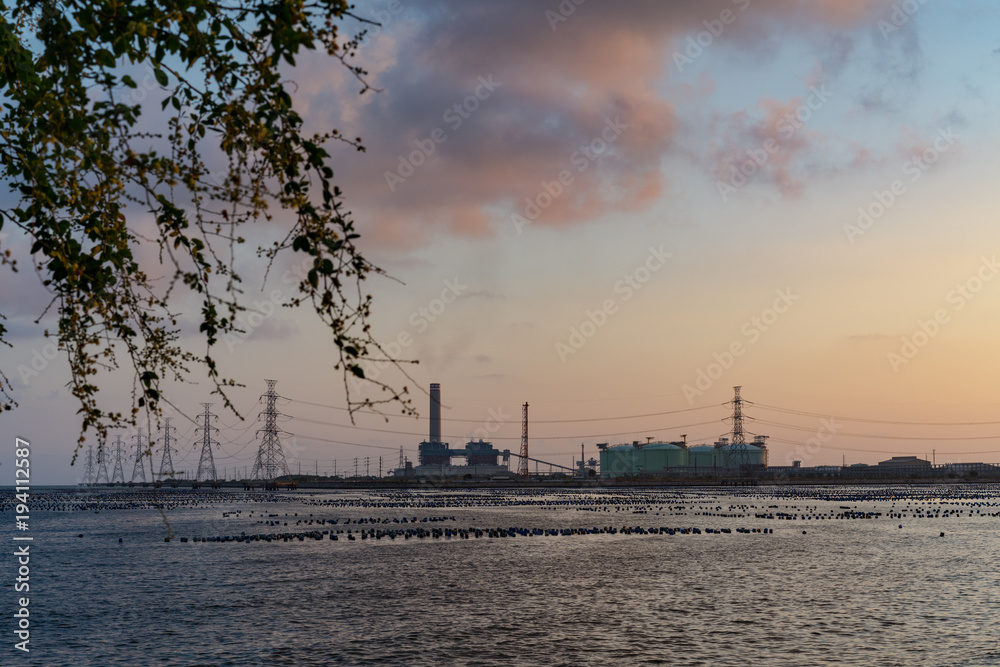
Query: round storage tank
[
  {"x": 662, "y": 456},
  {"x": 618, "y": 461},
  {"x": 705, "y": 456},
  {"x": 677, "y": 456},
  {"x": 755, "y": 456}
]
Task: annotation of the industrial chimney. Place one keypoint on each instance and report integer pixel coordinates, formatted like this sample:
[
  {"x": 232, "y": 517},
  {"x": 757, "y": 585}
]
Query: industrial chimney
[{"x": 435, "y": 434}]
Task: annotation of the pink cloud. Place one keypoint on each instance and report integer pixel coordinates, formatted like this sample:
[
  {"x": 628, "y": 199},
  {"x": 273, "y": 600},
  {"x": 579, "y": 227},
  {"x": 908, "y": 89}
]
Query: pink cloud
[
  {"x": 765, "y": 147},
  {"x": 557, "y": 90}
]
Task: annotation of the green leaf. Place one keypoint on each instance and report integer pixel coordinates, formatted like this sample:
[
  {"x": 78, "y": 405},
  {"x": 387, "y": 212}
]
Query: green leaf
[
  {"x": 76, "y": 163},
  {"x": 104, "y": 58}
]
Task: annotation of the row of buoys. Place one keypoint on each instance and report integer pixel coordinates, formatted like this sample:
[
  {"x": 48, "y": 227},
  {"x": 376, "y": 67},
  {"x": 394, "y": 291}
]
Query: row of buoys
[
  {"x": 436, "y": 507},
  {"x": 97, "y": 499},
  {"x": 470, "y": 533},
  {"x": 701, "y": 501}
]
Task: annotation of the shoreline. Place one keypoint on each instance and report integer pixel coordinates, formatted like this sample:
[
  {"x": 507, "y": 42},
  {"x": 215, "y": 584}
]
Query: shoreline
[{"x": 467, "y": 485}]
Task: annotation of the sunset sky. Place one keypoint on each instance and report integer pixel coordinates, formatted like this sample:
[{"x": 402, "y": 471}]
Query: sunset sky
[{"x": 618, "y": 209}]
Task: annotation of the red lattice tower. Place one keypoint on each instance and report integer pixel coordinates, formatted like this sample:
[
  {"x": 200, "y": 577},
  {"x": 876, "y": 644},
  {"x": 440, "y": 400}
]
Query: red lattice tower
[{"x": 522, "y": 466}]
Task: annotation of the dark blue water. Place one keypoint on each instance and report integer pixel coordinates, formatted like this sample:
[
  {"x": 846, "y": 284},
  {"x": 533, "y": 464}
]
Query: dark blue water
[{"x": 858, "y": 591}]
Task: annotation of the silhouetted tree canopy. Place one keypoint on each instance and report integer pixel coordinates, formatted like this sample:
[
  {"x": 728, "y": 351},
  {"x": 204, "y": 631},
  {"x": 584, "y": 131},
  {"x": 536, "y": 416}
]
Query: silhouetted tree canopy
[{"x": 83, "y": 167}]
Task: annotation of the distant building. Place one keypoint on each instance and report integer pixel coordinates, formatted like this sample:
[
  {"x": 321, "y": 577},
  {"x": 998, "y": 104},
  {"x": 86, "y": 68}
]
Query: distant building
[
  {"x": 966, "y": 468},
  {"x": 481, "y": 458},
  {"x": 907, "y": 461},
  {"x": 676, "y": 458}
]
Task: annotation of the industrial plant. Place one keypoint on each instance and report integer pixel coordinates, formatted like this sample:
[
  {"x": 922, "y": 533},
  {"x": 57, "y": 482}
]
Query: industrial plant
[
  {"x": 739, "y": 455},
  {"x": 658, "y": 458},
  {"x": 652, "y": 458},
  {"x": 626, "y": 460},
  {"x": 481, "y": 458}
]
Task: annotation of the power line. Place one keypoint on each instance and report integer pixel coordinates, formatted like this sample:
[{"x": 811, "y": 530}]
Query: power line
[
  {"x": 229, "y": 454},
  {"x": 342, "y": 442},
  {"x": 873, "y": 421},
  {"x": 459, "y": 437},
  {"x": 883, "y": 437},
  {"x": 534, "y": 421},
  {"x": 871, "y": 451}
]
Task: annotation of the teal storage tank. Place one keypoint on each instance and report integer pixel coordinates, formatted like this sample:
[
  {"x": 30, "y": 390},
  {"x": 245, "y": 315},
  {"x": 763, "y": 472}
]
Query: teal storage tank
[
  {"x": 755, "y": 456},
  {"x": 662, "y": 456},
  {"x": 618, "y": 461},
  {"x": 635, "y": 459},
  {"x": 651, "y": 459},
  {"x": 705, "y": 457}
]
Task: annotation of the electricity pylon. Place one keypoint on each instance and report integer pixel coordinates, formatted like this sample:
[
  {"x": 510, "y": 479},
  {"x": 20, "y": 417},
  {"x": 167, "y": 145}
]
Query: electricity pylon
[
  {"x": 206, "y": 464},
  {"x": 270, "y": 461}
]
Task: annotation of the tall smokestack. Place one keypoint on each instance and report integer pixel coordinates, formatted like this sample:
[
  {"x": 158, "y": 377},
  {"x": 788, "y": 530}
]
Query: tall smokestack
[{"x": 435, "y": 412}]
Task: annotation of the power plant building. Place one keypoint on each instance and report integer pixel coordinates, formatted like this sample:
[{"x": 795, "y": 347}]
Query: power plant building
[{"x": 481, "y": 458}]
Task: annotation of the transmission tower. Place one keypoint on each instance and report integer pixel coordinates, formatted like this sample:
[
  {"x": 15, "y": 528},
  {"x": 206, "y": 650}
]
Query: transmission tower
[
  {"x": 118, "y": 475},
  {"x": 102, "y": 466},
  {"x": 88, "y": 475},
  {"x": 137, "y": 469},
  {"x": 270, "y": 461},
  {"x": 402, "y": 461},
  {"x": 206, "y": 464},
  {"x": 166, "y": 463},
  {"x": 522, "y": 466},
  {"x": 739, "y": 453}
]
